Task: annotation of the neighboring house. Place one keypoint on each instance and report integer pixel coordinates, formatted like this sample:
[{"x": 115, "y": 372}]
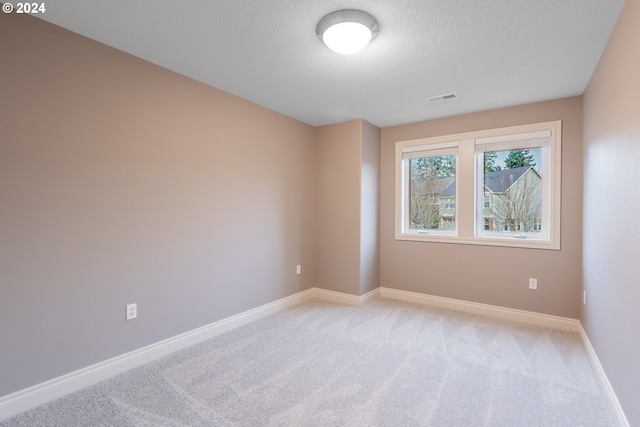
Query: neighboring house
[
  {"x": 429, "y": 203},
  {"x": 512, "y": 200},
  {"x": 447, "y": 206}
]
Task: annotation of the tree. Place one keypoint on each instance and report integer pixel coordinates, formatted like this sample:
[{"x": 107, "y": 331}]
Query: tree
[
  {"x": 519, "y": 158},
  {"x": 433, "y": 167},
  {"x": 490, "y": 161}
]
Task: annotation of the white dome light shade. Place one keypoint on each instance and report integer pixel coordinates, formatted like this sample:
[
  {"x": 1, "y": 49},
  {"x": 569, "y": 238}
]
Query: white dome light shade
[
  {"x": 347, "y": 31},
  {"x": 347, "y": 37}
]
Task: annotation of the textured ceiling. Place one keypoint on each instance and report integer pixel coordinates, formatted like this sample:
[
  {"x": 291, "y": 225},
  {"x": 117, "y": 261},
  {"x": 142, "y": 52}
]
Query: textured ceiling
[{"x": 493, "y": 53}]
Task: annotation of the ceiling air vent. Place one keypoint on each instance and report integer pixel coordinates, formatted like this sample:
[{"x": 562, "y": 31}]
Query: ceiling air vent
[{"x": 445, "y": 97}]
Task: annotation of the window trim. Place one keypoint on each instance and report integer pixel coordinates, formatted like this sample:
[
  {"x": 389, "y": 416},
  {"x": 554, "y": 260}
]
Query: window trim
[{"x": 467, "y": 203}]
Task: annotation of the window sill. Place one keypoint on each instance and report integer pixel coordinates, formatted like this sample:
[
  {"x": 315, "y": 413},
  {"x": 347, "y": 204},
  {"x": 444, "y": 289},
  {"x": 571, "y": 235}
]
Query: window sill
[{"x": 510, "y": 242}]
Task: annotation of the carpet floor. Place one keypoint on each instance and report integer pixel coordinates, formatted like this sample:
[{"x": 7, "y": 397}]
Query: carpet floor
[{"x": 386, "y": 363}]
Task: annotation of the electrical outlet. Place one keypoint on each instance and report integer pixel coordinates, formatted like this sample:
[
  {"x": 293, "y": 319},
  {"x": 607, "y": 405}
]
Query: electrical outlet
[
  {"x": 533, "y": 283},
  {"x": 298, "y": 269},
  {"x": 131, "y": 311}
]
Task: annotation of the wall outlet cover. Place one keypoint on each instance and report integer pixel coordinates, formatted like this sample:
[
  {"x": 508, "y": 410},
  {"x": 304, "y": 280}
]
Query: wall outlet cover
[{"x": 131, "y": 311}]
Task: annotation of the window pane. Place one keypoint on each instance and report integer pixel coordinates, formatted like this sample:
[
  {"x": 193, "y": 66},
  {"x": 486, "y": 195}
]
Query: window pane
[
  {"x": 513, "y": 190},
  {"x": 432, "y": 193}
]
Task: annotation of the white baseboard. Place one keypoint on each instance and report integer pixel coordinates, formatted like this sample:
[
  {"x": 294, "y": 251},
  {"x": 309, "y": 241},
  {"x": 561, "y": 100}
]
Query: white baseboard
[
  {"x": 546, "y": 320},
  {"x": 23, "y": 400},
  {"x": 342, "y": 298},
  {"x": 601, "y": 376},
  {"x": 337, "y": 297},
  {"x": 370, "y": 295}
]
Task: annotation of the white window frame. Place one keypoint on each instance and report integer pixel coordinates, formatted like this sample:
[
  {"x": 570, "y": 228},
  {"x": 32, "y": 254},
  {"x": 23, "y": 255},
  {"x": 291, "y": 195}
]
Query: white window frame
[{"x": 469, "y": 185}]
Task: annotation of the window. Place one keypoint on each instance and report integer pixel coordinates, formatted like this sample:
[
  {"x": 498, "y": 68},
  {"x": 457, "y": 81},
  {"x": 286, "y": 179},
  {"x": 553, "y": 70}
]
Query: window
[
  {"x": 428, "y": 175},
  {"x": 495, "y": 187}
]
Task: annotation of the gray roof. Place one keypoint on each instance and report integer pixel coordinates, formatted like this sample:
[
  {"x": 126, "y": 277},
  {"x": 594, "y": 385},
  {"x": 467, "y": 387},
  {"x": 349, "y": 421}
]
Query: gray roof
[
  {"x": 500, "y": 181},
  {"x": 496, "y": 182}
]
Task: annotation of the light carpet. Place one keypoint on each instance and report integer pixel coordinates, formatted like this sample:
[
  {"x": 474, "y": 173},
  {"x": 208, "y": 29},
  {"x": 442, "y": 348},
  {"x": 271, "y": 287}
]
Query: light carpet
[{"x": 386, "y": 363}]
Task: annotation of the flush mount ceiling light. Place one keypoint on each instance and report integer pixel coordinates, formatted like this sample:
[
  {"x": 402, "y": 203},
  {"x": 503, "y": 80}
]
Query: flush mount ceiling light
[{"x": 347, "y": 31}]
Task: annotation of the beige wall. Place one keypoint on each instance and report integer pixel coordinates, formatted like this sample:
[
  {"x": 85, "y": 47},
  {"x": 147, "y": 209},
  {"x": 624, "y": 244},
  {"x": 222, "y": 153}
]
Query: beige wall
[
  {"x": 611, "y": 316},
  {"x": 123, "y": 182},
  {"x": 369, "y": 208},
  {"x": 348, "y": 189},
  {"x": 491, "y": 275},
  {"x": 338, "y": 213}
]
